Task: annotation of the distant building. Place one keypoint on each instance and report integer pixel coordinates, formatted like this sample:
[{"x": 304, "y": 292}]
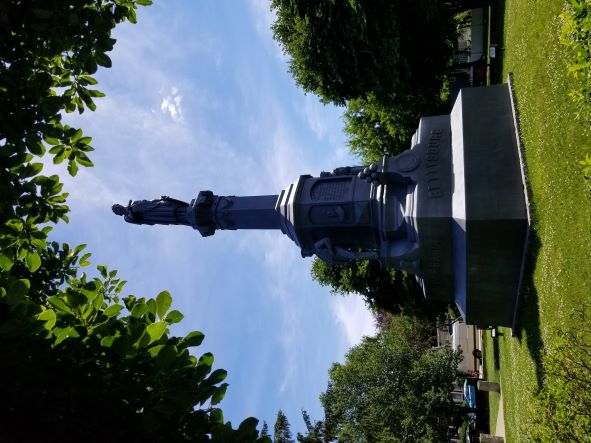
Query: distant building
[{"x": 469, "y": 68}]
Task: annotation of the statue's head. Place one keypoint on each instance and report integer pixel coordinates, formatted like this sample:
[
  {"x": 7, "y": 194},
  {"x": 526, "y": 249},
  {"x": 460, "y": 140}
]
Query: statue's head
[{"x": 118, "y": 209}]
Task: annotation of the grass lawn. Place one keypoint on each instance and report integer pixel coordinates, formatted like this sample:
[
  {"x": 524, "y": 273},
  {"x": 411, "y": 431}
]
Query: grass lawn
[{"x": 559, "y": 277}]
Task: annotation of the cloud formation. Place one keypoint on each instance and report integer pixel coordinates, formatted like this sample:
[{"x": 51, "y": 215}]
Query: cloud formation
[
  {"x": 171, "y": 105},
  {"x": 353, "y": 318}
]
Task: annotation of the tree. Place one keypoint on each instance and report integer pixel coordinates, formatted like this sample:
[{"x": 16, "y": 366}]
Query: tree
[
  {"x": 316, "y": 431},
  {"x": 392, "y": 387},
  {"x": 265, "y": 430},
  {"x": 376, "y": 129},
  {"x": 391, "y": 290},
  {"x": 348, "y": 50},
  {"x": 282, "y": 432},
  {"x": 80, "y": 362}
]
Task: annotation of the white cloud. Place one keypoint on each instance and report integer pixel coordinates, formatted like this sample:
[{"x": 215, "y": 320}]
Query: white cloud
[
  {"x": 353, "y": 317},
  {"x": 171, "y": 105},
  {"x": 314, "y": 115}
]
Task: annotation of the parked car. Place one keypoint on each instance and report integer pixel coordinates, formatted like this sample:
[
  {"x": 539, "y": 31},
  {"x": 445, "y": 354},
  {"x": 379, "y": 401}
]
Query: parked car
[{"x": 470, "y": 394}]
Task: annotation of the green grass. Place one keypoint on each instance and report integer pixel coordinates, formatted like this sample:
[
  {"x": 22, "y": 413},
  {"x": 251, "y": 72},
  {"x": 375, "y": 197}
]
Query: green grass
[
  {"x": 491, "y": 373},
  {"x": 559, "y": 273}
]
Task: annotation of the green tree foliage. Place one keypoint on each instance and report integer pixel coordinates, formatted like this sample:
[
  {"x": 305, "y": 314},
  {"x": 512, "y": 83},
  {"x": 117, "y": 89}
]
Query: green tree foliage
[
  {"x": 387, "y": 61},
  {"x": 48, "y": 53},
  {"x": 391, "y": 290},
  {"x": 282, "y": 431},
  {"x": 576, "y": 35},
  {"x": 315, "y": 430},
  {"x": 265, "y": 430},
  {"x": 81, "y": 370},
  {"x": 347, "y": 50},
  {"x": 562, "y": 409},
  {"x": 79, "y": 361},
  {"x": 392, "y": 387},
  {"x": 376, "y": 129}
]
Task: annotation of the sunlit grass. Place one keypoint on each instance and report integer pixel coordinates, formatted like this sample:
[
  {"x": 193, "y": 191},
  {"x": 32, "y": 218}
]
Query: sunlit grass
[{"x": 560, "y": 268}]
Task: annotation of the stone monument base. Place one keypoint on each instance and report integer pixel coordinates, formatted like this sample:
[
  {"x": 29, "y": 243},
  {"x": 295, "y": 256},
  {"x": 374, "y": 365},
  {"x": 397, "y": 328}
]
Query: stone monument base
[
  {"x": 489, "y": 206},
  {"x": 465, "y": 209}
]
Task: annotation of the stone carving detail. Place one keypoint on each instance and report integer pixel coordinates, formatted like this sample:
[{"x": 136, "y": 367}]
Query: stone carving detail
[{"x": 330, "y": 190}]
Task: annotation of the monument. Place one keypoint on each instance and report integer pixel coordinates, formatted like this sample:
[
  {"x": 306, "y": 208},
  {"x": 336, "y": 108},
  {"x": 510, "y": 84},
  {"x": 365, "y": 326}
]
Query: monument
[{"x": 452, "y": 209}]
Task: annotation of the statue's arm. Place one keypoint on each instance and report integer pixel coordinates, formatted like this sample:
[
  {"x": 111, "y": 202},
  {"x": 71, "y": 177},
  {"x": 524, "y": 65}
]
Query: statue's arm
[{"x": 339, "y": 255}]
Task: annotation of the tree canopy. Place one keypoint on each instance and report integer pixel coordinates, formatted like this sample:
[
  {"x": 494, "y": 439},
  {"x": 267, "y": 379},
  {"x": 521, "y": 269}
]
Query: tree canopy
[
  {"x": 392, "y": 387},
  {"x": 282, "y": 429},
  {"x": 346, "y": 50},
  {"x": 390, "y": 290},
  {"x": 315, "y": 430},
  {"x": 80, "y": 361},
  {"x": 375, "y": 129}
]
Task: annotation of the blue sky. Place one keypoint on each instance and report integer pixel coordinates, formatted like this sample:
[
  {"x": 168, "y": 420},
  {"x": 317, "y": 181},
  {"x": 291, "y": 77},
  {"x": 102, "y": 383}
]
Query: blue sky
[{"x": 198, "y": 98}]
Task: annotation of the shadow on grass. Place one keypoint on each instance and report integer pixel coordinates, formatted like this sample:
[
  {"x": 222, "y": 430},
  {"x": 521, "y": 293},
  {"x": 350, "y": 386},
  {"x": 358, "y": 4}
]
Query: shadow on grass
[
  {"x": 496, "y": 354},
  {"x": 482, "y": 416},
  {"x": 528, "y": 322},
  {"x": 497, "y": 32}
]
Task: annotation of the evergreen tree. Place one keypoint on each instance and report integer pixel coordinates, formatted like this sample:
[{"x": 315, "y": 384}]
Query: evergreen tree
[
  {"x": 265, "y": 430},
  {"x": 282, "y": 431},
  {"x": 316, "y": 432}
]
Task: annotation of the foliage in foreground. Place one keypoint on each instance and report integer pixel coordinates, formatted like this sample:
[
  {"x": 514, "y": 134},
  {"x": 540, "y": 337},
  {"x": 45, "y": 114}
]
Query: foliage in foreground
[
  {"x": 576, "y": 35},
  {"x": 79, "y": 362},
  {"x": 562, "y": 409},
  {"x": 392, "y": 387},
  {"x": 75, "y": 363}
]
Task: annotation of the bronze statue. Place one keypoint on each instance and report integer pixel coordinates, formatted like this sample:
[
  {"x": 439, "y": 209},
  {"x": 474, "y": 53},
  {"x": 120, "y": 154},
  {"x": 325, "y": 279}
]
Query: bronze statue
[{"x": 164, "y": 211}]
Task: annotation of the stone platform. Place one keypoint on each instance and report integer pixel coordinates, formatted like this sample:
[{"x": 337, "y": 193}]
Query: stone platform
[{"x": 469, "y": 206}]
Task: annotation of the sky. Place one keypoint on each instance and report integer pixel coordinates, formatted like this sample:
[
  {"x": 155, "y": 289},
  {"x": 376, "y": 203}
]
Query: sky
[{"x": 200, "y": 98}]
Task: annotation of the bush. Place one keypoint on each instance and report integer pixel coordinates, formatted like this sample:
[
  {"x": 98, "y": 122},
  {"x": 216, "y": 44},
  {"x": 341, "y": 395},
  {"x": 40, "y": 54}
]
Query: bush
[
  {"x": 89, "y": 365},
  {"x": 576, "y": 34},
  {"x": 562, "y": 409}
]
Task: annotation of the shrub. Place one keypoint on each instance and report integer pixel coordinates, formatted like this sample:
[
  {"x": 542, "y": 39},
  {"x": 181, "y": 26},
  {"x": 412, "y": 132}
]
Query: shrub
[
  {"x": 576, "y": 34},
  {"x": 562, "y": 409}
]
